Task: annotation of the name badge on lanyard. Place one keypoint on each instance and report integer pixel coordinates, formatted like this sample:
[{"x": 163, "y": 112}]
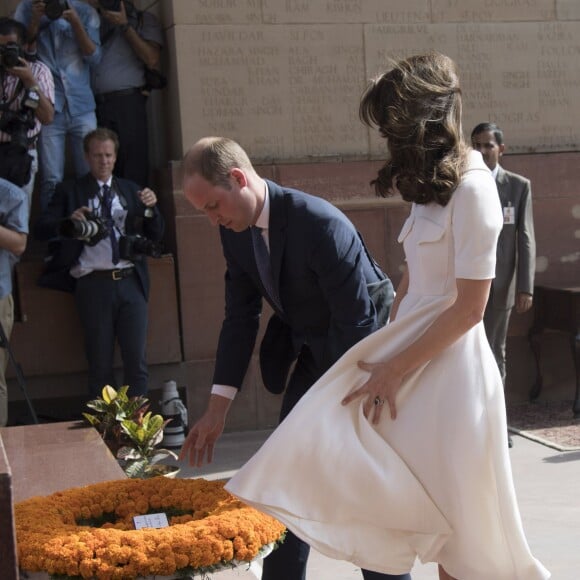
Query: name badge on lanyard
[{"x": 509, "y": 214}]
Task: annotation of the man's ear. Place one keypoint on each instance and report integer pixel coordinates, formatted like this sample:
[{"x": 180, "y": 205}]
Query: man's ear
[
  {"x": 239, "y": 177},
  {"x": 501, "y": 149}
]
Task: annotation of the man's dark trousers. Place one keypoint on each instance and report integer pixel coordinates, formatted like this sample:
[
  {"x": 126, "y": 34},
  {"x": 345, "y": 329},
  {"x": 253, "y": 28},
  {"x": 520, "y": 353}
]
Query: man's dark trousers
[
  {"x": 110, "y": 309},
  {"x": 288, "y": 562},
  {"x": 126, "y": 114}
]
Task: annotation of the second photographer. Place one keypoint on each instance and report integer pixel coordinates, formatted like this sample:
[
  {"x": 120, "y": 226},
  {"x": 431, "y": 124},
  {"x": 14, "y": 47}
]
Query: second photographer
[
  {"x": 102, "y": 229},
  {"x": 26, "y": 103}
]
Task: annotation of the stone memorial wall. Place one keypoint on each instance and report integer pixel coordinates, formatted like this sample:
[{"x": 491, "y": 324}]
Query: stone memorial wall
[{"x": 285, "y": 76}]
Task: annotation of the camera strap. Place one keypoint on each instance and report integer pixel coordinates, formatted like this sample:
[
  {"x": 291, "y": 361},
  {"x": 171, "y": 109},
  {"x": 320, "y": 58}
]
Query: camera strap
[{"x": 18, "y": 88}]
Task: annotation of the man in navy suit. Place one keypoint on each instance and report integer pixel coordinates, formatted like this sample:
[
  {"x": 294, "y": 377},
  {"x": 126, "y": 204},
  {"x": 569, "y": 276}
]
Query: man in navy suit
[
  {"x": 307, "y": 260},
  {"x": 106, "y": 270}
]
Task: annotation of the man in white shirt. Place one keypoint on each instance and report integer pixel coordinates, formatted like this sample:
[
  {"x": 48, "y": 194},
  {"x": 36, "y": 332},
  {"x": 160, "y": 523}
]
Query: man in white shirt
[{"x": 97, "y": 218}]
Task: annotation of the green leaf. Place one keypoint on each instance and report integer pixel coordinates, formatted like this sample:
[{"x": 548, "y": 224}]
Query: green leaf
[
  {"x": 109, "y": 394},
  {"x": 162, "y": 454},
  {"x": 129, "y": 453},
  {"x": 136, "y": 469},
  {"x": 155, "y": 424},
  {"x": 94, "y": 421}
]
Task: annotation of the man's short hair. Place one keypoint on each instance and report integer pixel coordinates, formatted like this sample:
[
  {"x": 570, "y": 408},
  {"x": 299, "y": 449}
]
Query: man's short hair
[
  {"x": 100, "y": 134},
  {"x": 483, "y": 127},
  {"x": 10, "y": 26},
  {"x": 213, "y": 158}
]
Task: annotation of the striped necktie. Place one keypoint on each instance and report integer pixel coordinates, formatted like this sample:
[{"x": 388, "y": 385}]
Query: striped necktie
[
  {"x": 108, "y": 195},
  {"x": 262, "y": 256}
]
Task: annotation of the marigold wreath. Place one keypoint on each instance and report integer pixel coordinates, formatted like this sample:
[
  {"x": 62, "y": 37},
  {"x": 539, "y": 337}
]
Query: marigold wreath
[{"x": 88, "y": 532}]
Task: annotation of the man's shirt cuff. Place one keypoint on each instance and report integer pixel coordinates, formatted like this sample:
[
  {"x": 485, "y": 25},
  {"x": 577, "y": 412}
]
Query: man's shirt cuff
[{"x": 224, "y": 391}]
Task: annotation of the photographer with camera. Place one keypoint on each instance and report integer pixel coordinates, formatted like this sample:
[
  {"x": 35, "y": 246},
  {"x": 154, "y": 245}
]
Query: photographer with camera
[
  {"x": 107, "y": 227},
  {"x": 13, "y": 237},
  {"x": 26, "y": 104},
  {"x": 131, "y": 42},
  {"x": 64, "y": 34}
]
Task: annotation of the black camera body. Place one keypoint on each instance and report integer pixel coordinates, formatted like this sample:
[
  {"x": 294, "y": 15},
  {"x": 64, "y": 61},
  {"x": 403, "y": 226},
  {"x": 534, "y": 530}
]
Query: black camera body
[
  {"x": 10, "y": 54},
  {"x": 17, "y": 124},
  {"x": 54, "y": 8},
  {"x": 90, "y": 230},
  {"x": 135, "y": 247},
  {"x": 110, "y": 5}
]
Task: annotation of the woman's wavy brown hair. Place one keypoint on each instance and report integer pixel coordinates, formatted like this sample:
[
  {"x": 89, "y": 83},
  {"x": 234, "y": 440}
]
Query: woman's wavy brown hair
[{"x": 417, "y": 108}]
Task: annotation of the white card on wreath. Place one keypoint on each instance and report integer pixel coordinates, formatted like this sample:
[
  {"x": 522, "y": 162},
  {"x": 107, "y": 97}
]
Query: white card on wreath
[{"x": 151, "y": 521}]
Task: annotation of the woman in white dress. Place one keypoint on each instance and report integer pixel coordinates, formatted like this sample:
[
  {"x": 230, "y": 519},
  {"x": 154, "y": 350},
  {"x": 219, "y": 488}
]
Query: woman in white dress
[{"x": 404, "y": 455}]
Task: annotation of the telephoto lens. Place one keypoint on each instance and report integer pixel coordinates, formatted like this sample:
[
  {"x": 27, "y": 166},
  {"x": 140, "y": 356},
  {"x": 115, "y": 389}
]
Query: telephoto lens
[
  {"x": 78, "y": 229},
  {"x": 90, "y": 230}
]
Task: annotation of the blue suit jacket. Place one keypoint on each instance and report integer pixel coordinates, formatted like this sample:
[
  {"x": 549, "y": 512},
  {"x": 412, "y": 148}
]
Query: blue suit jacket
[
  {"x": 323, "y": 272},
  {"x": 69, "y": 196}
]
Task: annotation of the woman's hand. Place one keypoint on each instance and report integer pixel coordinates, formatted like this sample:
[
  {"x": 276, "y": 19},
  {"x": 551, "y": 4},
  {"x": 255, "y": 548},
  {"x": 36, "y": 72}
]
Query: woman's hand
[{"x": 381, "y": 387}]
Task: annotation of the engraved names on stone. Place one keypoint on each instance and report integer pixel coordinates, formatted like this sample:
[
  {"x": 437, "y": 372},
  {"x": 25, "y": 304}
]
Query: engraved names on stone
[
  {"x": 493, "y": 10},
  {"x": 523, "y": 76},
  {"x": 216, "y": 11},
  {"x": 285, "y": 93},
  {"x": 345, "y": 11}
]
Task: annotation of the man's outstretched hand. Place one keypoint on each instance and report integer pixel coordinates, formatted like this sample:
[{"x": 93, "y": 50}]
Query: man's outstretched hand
[{"x": 198, "y": 446}]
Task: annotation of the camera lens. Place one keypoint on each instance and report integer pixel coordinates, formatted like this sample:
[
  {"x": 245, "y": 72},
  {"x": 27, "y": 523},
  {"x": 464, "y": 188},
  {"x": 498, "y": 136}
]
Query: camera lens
[{"x": 9, "y": 55}]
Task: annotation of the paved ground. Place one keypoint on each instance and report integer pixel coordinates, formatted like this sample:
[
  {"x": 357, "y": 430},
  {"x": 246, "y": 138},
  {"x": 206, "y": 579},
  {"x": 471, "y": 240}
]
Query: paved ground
[{"x": 547, "y": 483}]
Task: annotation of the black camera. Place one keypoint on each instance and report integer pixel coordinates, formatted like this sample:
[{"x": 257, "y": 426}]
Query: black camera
[
  {"x": 10, "y": 54},
  {"x": 134, "y": 247},
  {"x": 17, "y": 124},
  {"x": 54, "y": 8},
  {"x": 111, "y": 5},
  {"x": 91, "y": 231}
]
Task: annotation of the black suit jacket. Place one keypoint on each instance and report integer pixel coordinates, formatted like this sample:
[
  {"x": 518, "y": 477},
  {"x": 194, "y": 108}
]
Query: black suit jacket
[
  {"x": 324, "y": 276},
  {"x": 64, "y": 252}
]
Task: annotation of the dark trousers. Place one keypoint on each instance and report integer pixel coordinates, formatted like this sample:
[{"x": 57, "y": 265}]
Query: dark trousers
[
  {"x": 496, "y": 322},
  {"x": 288, "y": 562},
  {"x": 113, "y": 309},
  {"x": 126, "y": 114}
]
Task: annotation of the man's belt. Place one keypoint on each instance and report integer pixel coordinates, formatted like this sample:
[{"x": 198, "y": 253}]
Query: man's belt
[
  {"x": 114, "y": 94},
  {"x": 117, "y": 274}
]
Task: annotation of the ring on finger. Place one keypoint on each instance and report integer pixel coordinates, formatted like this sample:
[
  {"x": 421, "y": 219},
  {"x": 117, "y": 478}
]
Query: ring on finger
[{"x": 379, "y": 402}]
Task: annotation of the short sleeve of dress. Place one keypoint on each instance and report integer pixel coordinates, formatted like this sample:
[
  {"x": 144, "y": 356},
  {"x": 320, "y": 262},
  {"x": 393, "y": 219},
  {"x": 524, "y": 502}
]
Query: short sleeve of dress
[{"x": 476, "y": 224}]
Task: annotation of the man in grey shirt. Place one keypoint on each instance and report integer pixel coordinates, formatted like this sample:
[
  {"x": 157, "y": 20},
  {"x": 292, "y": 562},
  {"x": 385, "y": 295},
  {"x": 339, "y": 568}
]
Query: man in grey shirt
[{"x": 131, "y": 41}]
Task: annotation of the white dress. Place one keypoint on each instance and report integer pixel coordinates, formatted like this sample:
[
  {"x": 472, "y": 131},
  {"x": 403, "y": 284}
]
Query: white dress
[{"x": 436, "y": 483}]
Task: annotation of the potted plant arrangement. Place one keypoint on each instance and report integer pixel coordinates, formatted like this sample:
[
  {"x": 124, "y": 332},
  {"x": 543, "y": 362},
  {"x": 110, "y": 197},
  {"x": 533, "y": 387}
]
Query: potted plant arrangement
[
  {"x": 131, "y": 432},
  {"x": 91, "y": 532}
]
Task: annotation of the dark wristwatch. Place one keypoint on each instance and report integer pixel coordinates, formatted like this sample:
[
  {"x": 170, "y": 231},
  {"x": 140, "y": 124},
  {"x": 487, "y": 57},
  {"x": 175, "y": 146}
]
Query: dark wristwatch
[{"x": 124, "y": 27}]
